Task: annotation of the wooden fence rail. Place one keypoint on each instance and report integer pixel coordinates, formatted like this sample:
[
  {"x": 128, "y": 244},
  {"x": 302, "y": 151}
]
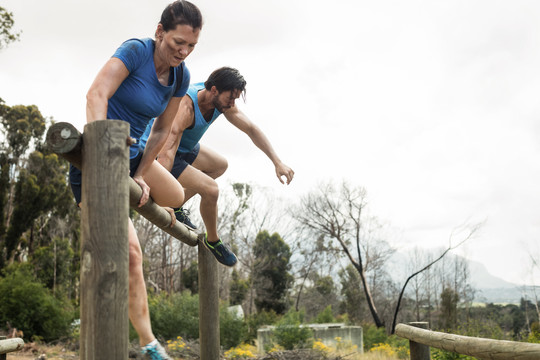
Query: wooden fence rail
[
  {"x": 102, "y": 154},
  {"x": 480, "y": 348},
  {"x": 65, "y": 140},
  {"x": 10, "y": 345}
]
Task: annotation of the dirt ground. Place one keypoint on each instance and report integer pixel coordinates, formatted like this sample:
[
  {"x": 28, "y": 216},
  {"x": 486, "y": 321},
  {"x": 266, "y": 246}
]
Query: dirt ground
[{"x": 33, "y": 352}]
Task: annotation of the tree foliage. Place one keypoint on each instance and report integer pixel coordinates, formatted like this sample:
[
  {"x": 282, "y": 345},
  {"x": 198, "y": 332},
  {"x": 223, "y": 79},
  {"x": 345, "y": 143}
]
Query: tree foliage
[
  {"x": 39, "y": 227},
  {"x": 7, "y": 34},
  {"x": 272, "y": 279},
  {"x": 26, "y": 304}
]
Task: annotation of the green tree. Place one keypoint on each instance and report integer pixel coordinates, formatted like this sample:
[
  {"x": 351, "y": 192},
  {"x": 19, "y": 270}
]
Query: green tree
[
  {"x": 190, "y": 277},
  {"x": 325, "y": 316},
  {"x": 320, "y": 294},
  {"x": 53, "y": 264},
  {"x": 33, "y": 189},
  {"x": 238, "y": 289},
  {"x": 271, "y": 277},
  {"x": 38, "y": 217},
  {"x": 29, "y": 306},
  {"x": 7, "y": 35},
  {"x": 354, "y": 301},
  {"x": 449, "y": 302}
]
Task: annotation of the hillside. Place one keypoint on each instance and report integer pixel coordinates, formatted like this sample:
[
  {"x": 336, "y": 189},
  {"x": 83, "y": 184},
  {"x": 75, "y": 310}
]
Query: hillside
[{"x": 489, "y": 288}]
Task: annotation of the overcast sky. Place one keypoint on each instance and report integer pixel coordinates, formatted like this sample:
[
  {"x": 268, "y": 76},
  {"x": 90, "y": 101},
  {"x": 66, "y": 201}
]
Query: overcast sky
[{"x": 432, "y": 106}]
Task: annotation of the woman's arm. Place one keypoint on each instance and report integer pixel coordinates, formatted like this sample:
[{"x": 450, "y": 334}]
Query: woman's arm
[
  {"x": 107, "y": 81},
  {"x": 156, "y": 140},
  {"x": 184, "y": 119}
]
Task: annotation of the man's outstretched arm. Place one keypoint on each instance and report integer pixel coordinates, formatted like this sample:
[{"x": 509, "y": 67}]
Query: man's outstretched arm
[{"x": 242, "y": 122}]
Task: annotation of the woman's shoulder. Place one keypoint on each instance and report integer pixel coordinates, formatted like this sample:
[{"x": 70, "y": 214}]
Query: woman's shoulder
[
  {"x": 135, "y": 52},
  {"x": 138, "y": 45}
]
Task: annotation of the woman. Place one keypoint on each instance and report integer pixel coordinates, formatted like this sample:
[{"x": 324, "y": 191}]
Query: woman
[{"x": 144, "y": 79}]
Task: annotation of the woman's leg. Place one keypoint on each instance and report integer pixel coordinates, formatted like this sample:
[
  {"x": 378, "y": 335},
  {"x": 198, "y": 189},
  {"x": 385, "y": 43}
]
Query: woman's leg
[
  {"x": 138, "y": 299},
  {"x": 164, "y": 188}
]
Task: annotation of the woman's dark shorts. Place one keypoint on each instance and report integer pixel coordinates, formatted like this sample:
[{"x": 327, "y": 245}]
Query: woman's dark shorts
[
  {"x": 182, "y": 160},
  {"x": 75, "y": 176}
]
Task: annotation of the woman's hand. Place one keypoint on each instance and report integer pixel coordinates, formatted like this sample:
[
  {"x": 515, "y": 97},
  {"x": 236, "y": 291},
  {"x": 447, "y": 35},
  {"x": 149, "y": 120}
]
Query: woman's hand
[
  {"x": 145, "y": 189},
  {"x": 173, "y": 216}
]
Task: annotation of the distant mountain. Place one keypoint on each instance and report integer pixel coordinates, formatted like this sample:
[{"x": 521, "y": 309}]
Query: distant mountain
[
  {"x": 489, "y": 288},
  {"x": 482, "y": 279}
]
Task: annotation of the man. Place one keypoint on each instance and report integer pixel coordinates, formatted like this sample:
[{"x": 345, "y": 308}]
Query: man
[{"x": 196, "y": 166}]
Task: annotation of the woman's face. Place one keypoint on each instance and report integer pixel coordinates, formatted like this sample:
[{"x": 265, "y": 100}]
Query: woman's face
[{"x": 175, "y": 45}]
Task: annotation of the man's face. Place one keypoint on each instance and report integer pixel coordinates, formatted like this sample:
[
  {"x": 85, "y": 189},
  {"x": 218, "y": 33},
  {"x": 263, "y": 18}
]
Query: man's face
[{"x": 225, "y": 99}]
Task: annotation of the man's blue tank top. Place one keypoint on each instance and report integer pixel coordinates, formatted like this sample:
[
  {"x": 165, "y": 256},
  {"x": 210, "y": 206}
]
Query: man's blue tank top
[{"x": 195, "y": 132}]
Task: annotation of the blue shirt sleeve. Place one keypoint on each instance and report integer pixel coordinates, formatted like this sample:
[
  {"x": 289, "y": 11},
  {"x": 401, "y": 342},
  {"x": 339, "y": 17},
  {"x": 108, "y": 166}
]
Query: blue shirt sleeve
[
  {"x": 182, "y": 90},
  {"x": 131, "y": 52}
]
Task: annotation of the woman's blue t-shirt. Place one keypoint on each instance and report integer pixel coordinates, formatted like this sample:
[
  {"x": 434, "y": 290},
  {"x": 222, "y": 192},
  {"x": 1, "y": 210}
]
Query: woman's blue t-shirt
[{"x": 141, "y": 96}]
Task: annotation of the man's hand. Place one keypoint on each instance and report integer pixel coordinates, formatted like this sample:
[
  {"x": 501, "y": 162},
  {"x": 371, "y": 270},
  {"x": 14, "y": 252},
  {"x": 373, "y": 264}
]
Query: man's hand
[
  {"x": 145, "y": 190},
  {"x": 284, "y": 170}
]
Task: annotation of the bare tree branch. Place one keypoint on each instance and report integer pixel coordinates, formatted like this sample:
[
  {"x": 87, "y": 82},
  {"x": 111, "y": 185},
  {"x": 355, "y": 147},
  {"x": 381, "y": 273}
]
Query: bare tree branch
[{"x": 450, "y": 247}]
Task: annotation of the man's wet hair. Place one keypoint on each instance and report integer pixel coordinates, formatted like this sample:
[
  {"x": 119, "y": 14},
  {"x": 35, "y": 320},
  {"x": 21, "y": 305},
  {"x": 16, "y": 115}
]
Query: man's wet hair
[
  {"x": 181, "y": 12},
  {"x": 225, "y": 79}
]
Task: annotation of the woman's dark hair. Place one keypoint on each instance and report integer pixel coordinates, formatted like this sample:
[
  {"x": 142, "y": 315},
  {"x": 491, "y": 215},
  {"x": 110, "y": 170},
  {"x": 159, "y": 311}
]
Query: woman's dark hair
[
  {"x": 181, "y": 12},
  {"x": 226, "y": 78}
]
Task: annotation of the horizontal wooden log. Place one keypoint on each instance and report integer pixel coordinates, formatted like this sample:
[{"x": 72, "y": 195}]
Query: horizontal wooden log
[
  {"x": 477, "y": 347},
  {"x": 10, "y": 345},
  {"x": 65, "y": 140}
]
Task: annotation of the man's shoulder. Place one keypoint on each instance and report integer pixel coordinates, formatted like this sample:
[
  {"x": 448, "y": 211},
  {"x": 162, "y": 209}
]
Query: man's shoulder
[
  {"x": 186, "y": 105},
  {"x": 195, "y": 88}
]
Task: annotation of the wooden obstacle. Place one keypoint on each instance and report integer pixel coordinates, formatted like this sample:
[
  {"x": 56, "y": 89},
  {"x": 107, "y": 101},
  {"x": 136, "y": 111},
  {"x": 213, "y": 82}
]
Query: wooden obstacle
[
  {"x": 421, "y": 339},
  {"x": 102, "y": 153},
  {"x": 9, "y": 345}
]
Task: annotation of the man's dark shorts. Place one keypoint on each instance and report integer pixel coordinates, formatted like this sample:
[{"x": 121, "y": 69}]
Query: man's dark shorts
[
  {"x": 182, "y": 160},
  {"x": 75, "y": 176}
]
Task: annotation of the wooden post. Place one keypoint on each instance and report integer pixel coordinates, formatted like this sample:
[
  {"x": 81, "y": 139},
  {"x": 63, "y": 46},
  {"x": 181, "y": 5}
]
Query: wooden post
[
  {"x": 208, "y": 304},
  {"x": 104, "y": 248},
  {"x": 419, "y": 351}
]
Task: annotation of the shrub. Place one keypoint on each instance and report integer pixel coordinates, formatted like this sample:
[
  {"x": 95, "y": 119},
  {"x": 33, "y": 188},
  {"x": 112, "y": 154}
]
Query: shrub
[
  {"x": 255, "y": 321},
  {"x": 28, "y": 306},
  {"x": 373, "y": 335},
  {"x": 233, "y": 330},
  {"x": 174, "y": 315},
  {"x": 384, "y": 349},
  {"x": 320, "y": 347},
  {"x": 290, "y": 334},
  {"x": 325, "y": 316},
  {"x": 244, "y": 351},
  {"x": 439, "y": 354}
]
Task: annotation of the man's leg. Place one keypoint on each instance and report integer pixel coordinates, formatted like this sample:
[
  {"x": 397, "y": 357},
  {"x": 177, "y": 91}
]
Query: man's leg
[
  {"x": 210, "y": 163},
  {"x": 197, "y": 182}
]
